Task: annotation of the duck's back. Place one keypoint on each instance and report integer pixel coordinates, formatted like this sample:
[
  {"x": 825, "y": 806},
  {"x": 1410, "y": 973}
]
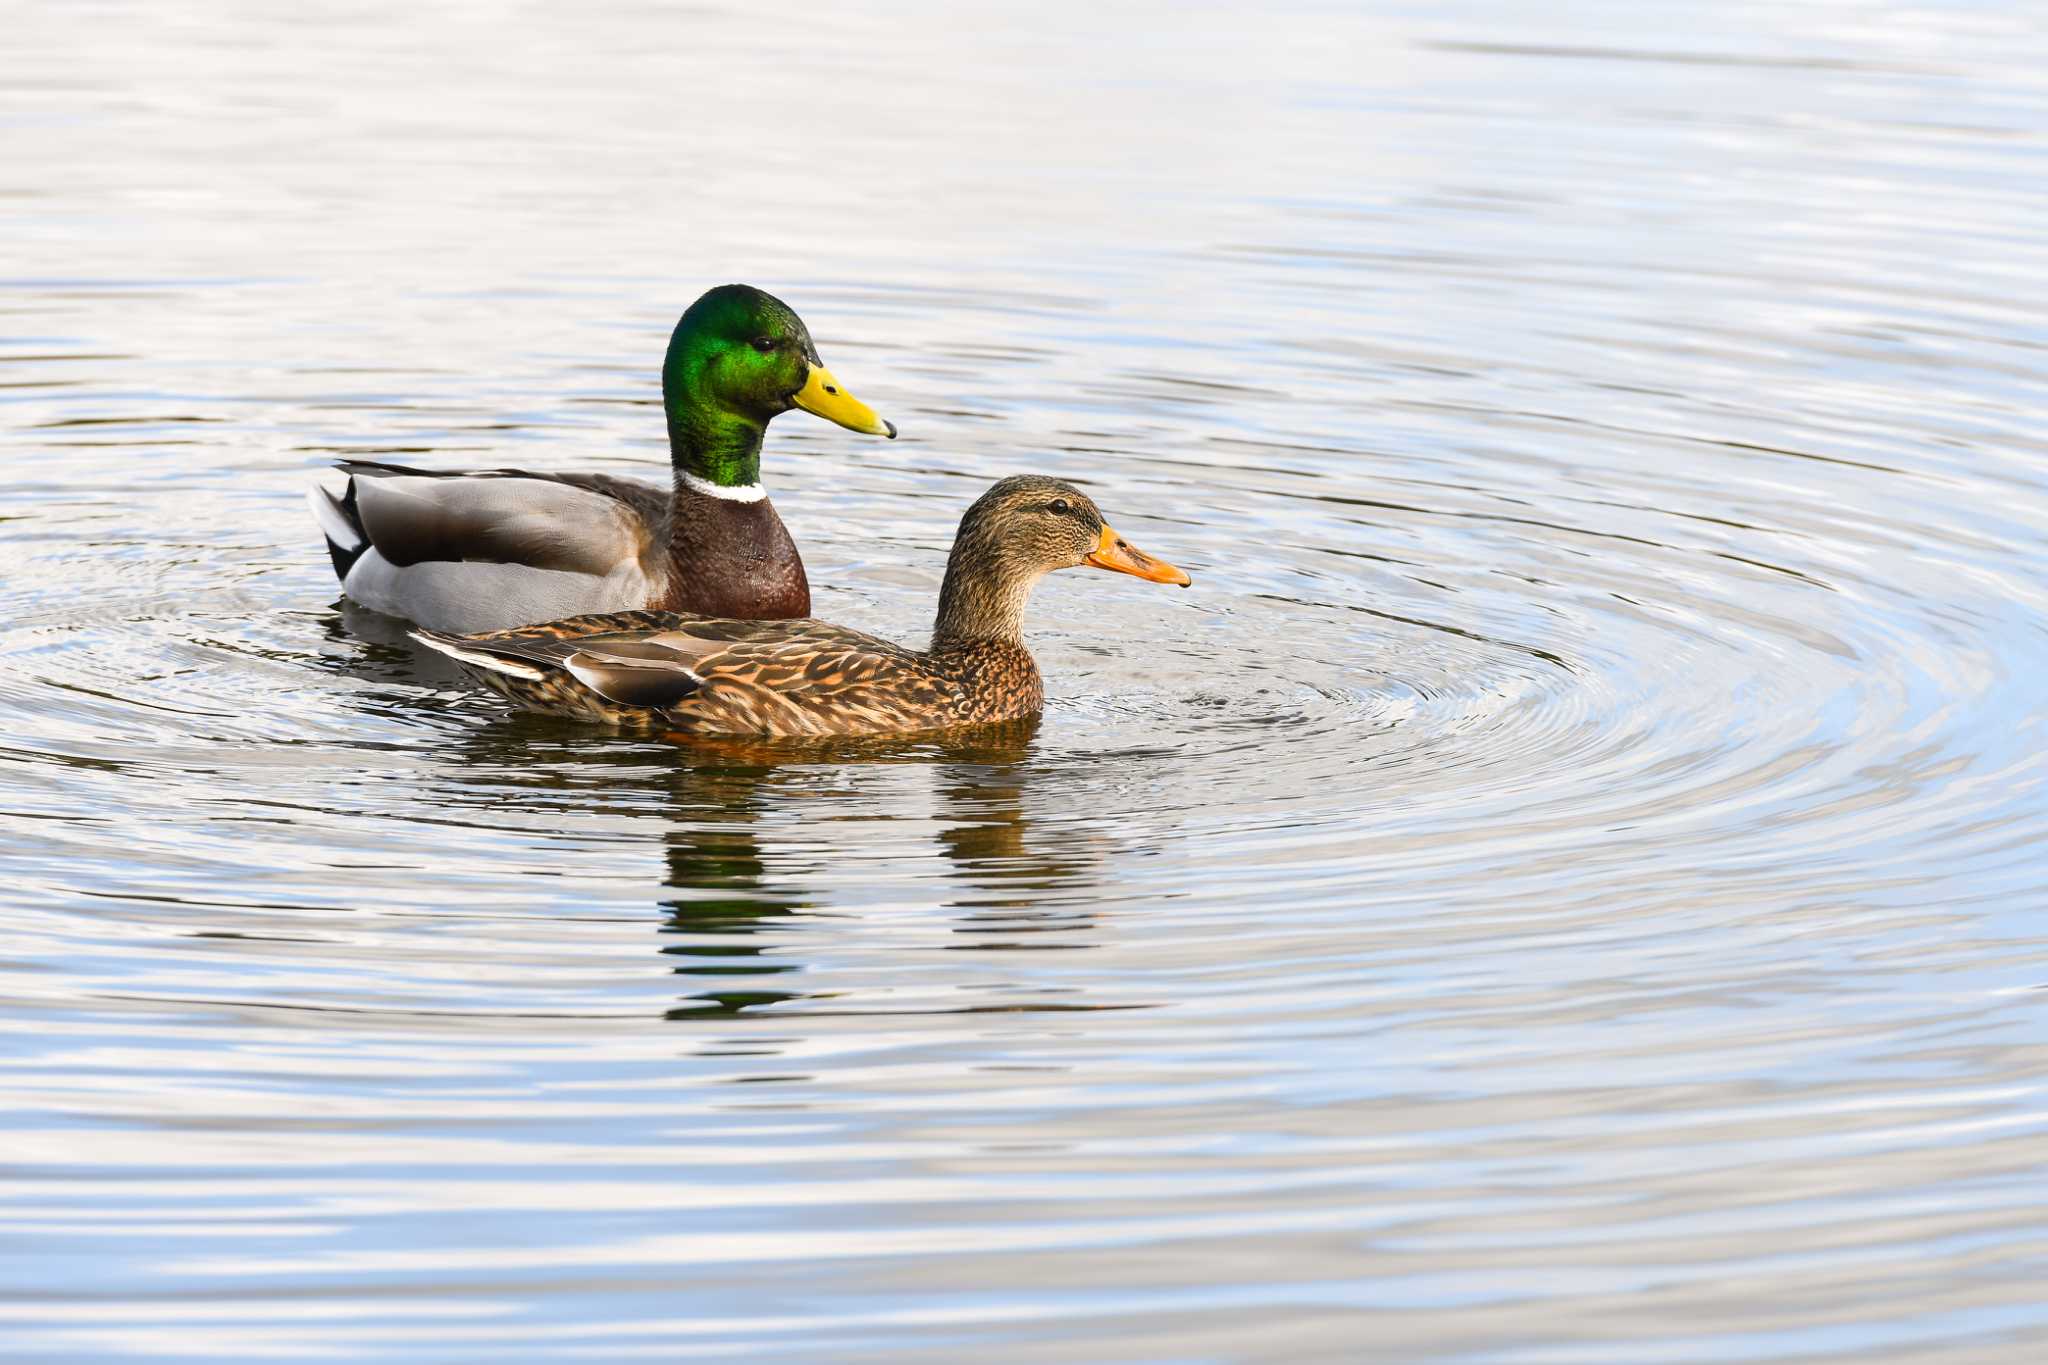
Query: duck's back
[{"x": 731, "y": 677}]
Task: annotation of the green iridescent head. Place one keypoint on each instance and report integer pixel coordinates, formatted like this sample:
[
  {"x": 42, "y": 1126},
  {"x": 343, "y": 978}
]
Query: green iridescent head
[{"x": 738, "y": 359}]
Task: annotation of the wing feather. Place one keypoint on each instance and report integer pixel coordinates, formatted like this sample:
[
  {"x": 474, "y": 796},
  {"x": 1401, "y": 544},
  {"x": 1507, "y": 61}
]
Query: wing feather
[
  {"x": 504, "y": 517},
  {"x": 633, "y": 679}
]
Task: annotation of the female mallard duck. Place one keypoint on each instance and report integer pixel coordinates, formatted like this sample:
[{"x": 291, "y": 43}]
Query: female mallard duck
[
  {"x": 504, "y": 547},
  {"x": 701, "y": 675}
]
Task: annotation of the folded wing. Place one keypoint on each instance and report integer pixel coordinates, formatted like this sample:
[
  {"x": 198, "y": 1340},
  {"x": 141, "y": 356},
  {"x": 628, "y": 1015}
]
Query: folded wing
[{"x": 504, "y": 517}]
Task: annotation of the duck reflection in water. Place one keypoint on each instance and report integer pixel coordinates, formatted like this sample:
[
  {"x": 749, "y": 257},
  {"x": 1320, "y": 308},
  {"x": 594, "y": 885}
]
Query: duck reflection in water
[
  {"x": 725, "y": 897},
  {"x": 743, "y": 867},
  {"x": 1028, "y": 879},
  {"x": 731, "y": 899}
]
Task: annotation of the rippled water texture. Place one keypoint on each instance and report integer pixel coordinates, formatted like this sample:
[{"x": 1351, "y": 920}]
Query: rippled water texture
[{"x": 1566, "y": 883}]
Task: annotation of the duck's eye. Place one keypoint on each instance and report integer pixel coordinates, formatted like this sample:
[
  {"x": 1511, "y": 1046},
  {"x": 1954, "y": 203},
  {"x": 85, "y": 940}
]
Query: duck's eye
[
  {"x": 764, "y": 344},
  {"x": 1061, "y": 505}
]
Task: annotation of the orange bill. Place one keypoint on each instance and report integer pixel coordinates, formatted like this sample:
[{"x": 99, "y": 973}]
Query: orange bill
[{"x": 1114, "y": 552}]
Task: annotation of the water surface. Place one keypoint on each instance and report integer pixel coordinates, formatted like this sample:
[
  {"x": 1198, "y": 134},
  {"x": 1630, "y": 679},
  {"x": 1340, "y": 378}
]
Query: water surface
[{"x": 1566, "y": 883}]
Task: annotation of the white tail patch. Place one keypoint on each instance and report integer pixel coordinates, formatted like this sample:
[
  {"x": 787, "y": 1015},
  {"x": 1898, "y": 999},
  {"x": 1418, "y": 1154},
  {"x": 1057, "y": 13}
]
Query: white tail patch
[
  {"x": 477, "y": 658},
  {"x": 334, "y": 522}
]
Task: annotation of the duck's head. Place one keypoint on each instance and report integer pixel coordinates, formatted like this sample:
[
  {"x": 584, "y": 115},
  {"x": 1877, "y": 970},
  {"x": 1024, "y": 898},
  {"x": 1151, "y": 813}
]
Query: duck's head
[
  {"x": 1016, "y": 533},
  {"x": 741, "y": 353}
]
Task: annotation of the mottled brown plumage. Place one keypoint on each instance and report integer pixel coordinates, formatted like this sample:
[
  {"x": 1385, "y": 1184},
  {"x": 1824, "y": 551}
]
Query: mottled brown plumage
[{"x": 715, "y": 676}]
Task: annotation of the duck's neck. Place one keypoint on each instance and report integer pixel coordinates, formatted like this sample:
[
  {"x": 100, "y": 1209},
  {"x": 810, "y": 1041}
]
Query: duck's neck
[
  {"x": 978, "y": 642},
  {"x": 978, "y": 638},
  {"x": 978, "y": 606},
  {"x": 708, "y": 440},
  {"x": 716, "y": 451}
]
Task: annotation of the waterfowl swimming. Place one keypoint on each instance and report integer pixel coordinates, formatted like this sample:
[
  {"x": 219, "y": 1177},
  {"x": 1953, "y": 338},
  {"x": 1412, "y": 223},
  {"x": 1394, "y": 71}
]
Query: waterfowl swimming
[
  {"x": 704, "y": 675},
  {"x": 505, "y": 547}
]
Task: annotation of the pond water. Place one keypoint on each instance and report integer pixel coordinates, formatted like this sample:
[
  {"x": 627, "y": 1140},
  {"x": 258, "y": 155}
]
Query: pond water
[{"x": 1565, "y": 883}]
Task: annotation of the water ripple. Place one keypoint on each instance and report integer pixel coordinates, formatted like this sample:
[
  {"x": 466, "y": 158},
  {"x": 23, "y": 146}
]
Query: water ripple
[{"x": 1564, "y": 884}]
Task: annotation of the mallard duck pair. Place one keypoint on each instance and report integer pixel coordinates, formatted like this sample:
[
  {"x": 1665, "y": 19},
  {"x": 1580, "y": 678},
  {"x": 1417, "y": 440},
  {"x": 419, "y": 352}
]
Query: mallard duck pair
[{"x": 587, "y": 595}]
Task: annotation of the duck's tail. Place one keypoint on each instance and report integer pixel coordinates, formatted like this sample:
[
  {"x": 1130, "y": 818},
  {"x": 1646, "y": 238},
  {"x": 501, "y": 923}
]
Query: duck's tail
[
  {"x": 467, "y": 652},
  {"x": 341, "y": 524}
]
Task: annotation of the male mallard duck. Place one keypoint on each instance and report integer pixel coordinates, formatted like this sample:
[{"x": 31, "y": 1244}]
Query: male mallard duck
[
  {"x": 703, "y": 675},
  {"x": 504, "y": 547}
]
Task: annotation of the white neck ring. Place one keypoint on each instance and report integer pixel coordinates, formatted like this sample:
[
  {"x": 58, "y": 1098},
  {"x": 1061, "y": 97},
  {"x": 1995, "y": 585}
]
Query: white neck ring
[{"x": 746, "y": 492}]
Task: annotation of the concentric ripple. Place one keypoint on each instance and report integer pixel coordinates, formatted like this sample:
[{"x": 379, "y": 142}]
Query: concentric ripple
[{"x": 1564, "y": 883}]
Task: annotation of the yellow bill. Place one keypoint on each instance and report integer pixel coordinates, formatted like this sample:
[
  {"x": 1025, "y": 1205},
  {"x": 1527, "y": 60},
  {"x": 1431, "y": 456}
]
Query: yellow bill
[
  {"x": 823, "y": 395},
  {"x": 1115, "y": 553}
]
